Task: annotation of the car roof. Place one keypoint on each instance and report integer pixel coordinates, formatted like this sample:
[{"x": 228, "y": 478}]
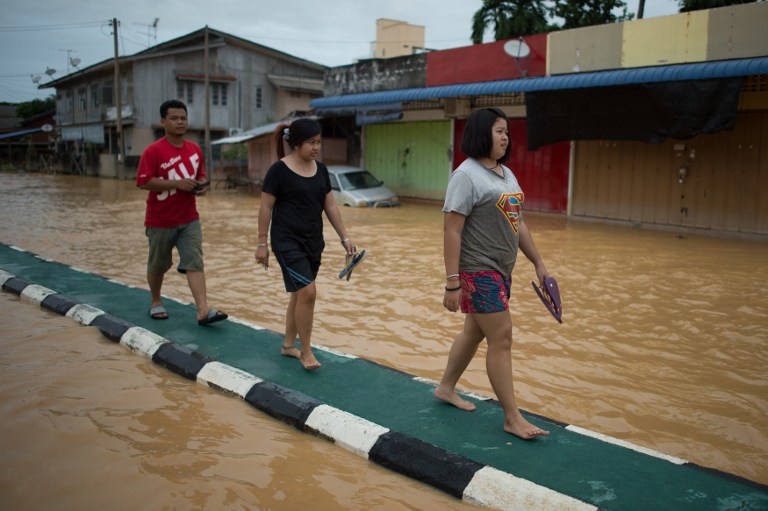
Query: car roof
[{"x": 344, "y": 169}]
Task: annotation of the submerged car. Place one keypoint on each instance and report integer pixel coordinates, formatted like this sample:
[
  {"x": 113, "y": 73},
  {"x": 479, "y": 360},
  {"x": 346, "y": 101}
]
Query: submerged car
[{"x": 356, "y": 187}]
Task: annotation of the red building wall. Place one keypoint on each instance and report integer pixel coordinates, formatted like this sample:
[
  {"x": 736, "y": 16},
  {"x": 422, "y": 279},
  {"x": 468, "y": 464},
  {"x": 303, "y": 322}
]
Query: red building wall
[{"x": 486, "y": 62}]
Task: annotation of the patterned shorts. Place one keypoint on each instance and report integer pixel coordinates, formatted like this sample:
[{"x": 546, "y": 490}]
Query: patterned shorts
[{"x": 484, "y": 292}]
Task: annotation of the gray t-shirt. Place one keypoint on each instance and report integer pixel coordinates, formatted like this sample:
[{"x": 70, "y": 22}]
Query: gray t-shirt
[{"x": 492, "y": 206}]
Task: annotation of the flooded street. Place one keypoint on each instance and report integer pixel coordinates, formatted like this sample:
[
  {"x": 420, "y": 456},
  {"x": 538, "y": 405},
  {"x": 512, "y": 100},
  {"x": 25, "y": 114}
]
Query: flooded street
[{"x": 664, "y": 344}]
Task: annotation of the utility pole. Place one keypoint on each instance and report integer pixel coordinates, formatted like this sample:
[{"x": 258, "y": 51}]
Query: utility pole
[
  {"x": 118, "y": 108},
  {"x": 208, "y": 158},
  {"x": 640, "y": 9}
]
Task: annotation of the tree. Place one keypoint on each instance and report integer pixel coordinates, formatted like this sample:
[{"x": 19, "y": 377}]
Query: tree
[
  {"x": 36, "y": 106},
  {"x": 519, "y": 18},
  {"x": 697, "y": 5},
  {"x": 586, "y": 13},
  {"x": 510, "y": 19}
]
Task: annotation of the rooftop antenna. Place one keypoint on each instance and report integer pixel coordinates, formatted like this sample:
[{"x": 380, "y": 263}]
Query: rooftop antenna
[
  {"x": 151, "y": 32},
  {"x": 36, "y": 79},
  {"x": 50, "y": 71},
  {"x": 69, "y": 59}
]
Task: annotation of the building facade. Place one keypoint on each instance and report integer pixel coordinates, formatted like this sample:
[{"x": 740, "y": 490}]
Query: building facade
[
  {"x": 657, "y": 122},
  {"x": 247, "y": 85}
]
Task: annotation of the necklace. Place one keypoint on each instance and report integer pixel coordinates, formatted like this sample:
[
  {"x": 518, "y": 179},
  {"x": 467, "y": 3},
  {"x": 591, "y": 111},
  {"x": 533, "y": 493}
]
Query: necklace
[{"x": 493, "y": 169}]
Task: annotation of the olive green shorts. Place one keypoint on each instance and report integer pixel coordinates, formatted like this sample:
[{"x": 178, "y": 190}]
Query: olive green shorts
[{"x": 188, "y": 240}]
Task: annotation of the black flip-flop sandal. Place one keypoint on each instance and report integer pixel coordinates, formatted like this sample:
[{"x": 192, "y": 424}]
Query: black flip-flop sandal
[{"x": 350, "y": 261}]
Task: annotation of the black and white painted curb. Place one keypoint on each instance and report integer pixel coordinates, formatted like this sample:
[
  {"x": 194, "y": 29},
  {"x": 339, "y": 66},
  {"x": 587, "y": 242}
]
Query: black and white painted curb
[{"x": 457, "y": 475}]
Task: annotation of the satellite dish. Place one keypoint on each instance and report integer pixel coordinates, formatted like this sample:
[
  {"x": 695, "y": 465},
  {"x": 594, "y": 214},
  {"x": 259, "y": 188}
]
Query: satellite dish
[
  {"x": 517, "y": 48},
  {"x": 74, "y": 61},
  {"x": 36, "y": 79},
  {"x": 47, "y": 128},
  {"x": 49, "y": 71}
]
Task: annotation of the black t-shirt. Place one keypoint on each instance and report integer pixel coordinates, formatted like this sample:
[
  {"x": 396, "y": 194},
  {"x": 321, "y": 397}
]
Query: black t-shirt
[{"x": 297, "y": 216}]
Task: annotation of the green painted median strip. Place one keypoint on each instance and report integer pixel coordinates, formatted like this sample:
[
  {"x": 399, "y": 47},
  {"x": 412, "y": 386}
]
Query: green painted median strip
[{"x": 606, "y": 475}]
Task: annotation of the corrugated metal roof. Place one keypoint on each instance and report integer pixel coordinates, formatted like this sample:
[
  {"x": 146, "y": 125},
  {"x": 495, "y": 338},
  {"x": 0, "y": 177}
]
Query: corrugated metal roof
[
  {"x": 655, "y": 74},
  {"x": 248, "y": 135},
  {"x": 259, "y": 131},
  {"x": 20, "y": 133}
]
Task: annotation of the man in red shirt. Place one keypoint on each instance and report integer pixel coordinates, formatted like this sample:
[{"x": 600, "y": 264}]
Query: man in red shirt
[{"x": 172, "y": 171}]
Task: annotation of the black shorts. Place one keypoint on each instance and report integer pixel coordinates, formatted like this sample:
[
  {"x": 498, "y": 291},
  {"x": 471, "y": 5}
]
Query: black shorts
[{"x": 299, "y": 268}]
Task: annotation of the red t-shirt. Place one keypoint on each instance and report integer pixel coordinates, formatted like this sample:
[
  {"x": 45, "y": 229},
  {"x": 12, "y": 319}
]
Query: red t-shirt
[{"x": 163, "y": 160}]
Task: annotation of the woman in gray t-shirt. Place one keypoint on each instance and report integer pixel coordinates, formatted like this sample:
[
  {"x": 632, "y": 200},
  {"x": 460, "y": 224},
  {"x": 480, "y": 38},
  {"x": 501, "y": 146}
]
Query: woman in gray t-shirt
[{"x": 483, "y": 229}]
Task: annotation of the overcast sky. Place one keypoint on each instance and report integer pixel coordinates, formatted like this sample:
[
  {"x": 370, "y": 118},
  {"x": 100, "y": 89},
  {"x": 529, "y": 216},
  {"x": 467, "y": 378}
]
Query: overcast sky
[{"x": 36, "y": 36}]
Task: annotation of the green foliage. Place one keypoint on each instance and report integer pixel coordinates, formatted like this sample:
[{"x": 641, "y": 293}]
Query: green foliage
[
  {"x": 587, "y": 13},
  {"x": 235, "y": 152},
  {"x": 697, "y": 5},
  {"x": 519, "y": 18},
  {"x": 36, "y": 106},
  {"x": 510, "y": 19}
]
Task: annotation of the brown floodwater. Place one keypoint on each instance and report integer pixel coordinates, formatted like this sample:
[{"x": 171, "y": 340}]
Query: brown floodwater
[
  {"x": 664, "y": 341},
  {"x": 88, "y": 425}
]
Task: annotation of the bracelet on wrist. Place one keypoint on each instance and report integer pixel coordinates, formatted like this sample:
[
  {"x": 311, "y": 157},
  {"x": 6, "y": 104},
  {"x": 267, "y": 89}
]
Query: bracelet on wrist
[
  {"x": 452, "y": 275},
  {"x": 344, "y": 240},
  {"x": 261, "y": 245},
  {"x": 452, "y": 288}
]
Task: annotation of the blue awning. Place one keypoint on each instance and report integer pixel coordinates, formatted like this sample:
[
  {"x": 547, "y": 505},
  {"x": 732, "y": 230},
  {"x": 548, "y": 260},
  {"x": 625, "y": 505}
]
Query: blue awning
[
  {"x": 20, "y": 133},
  {"x": 641, "y": 75}
]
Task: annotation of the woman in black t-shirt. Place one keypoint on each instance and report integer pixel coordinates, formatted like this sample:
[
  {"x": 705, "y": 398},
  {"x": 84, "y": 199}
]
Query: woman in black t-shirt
[{"x": 295, "y": 193}]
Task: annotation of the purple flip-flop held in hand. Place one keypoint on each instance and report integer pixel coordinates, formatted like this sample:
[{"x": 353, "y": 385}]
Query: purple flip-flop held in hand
[{"x": 550, "y": 296}]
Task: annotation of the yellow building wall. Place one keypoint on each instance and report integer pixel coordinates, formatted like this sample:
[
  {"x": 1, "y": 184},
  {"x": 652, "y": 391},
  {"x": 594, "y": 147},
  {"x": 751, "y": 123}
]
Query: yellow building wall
[
  {"x": 397, "y": 38},
  {"x": 733, "y": 32},
  {"x": 738, "y": 31},
  {"x": 580, "y": 50},
  {"x": 666, "y": 40}
]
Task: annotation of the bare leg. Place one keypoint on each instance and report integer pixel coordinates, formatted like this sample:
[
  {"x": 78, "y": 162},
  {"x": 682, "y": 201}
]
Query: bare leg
[
  {"x": 289, "y": 342},
  {"x": 462, "y": 351},
  {"x": 498, "y": 332},
  {"x": 196, "y": 281},
  {"x": 300, "y": 322}
]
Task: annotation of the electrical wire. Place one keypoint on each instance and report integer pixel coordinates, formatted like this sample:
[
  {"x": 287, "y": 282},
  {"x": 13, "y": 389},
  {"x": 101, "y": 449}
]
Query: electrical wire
[{"x": 62, "y": 26}]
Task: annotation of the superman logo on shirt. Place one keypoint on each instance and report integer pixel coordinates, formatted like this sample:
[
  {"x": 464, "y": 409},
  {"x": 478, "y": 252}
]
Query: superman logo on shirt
[{"x": 511, "y": 204}]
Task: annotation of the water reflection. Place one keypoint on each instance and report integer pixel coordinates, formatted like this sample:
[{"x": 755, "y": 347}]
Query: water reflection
[{"x": 663, "y": 342}]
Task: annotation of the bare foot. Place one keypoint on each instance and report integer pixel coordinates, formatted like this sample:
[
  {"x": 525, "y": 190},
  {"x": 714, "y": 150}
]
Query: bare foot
[
  {"x": 290, "y": 351},
  {"x": 452, "y": 398},
  {"x": 309, "y": 362},
  {"x": 524, "y": 429}
]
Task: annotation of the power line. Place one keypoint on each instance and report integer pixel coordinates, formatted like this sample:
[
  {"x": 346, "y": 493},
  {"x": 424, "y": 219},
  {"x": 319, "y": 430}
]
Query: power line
[{"x": 62, "y": 26}]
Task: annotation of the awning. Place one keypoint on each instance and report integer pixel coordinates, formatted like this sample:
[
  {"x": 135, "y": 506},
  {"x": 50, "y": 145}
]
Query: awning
[
  {"x": 248, "y": 135},
  {"x": 634, "y": 76},
  {"x": 258, "y": 132},
  {"x": 20, "y": 133},
  {"x": 297, "y": 83}
]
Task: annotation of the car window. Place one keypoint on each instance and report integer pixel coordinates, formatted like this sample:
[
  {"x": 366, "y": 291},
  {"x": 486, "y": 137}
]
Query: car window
[
  {"x": 359, "y": 180},
  {"x": 334, "y": 182}
]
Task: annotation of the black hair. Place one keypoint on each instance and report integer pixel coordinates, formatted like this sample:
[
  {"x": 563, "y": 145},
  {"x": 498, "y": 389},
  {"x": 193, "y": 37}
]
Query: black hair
[
  {"x": 477, "y": 140},
  {"x": 171, "y": 103},
  {"x": 299, "y": 132}
]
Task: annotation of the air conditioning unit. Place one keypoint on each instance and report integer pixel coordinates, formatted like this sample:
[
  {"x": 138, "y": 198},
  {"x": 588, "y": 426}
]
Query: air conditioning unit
[
  {"x": 456, "y": 107},
  {"x": 235, "y": 131}
]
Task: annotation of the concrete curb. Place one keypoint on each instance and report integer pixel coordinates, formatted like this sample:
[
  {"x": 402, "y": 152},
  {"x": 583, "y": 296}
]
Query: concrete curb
[{"x": 455, "y": 474}]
